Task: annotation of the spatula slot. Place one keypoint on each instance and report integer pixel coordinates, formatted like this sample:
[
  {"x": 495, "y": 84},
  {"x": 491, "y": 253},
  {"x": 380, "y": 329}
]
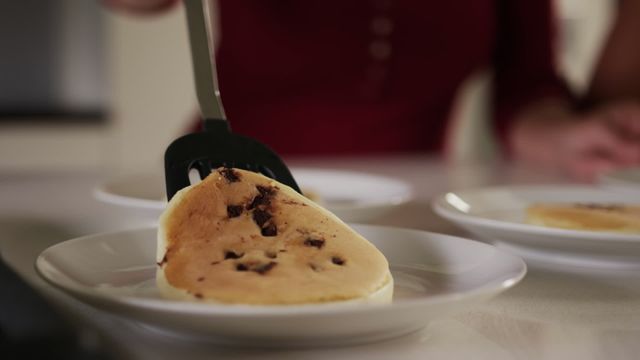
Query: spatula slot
[
  {"x": 202, "y": 166},
  {"x": 216, "y": 146},
  {"x": 266, "y": 171},
  {"x": 200, "y": 169},
  {"x": 194, "y": 176}
]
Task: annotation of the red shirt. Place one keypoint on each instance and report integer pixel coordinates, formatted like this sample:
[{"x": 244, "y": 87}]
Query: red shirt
[
  {"x": 335, "y": 76},
  {"x": 356, "y": 76}
]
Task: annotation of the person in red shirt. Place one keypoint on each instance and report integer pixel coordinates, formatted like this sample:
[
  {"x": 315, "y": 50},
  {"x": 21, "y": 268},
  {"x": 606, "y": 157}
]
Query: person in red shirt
[{"x": 378, "y": 76}]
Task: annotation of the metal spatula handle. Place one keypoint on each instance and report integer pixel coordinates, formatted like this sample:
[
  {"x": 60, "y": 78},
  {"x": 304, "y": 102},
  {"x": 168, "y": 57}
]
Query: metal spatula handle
[
  {"x": 203, "y": 57},
  {"x": 217, "y": 146}
]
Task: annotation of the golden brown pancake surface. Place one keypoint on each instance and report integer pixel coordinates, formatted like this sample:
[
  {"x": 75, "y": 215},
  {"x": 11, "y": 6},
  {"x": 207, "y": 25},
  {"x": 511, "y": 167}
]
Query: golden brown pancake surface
[
  {"x": 240, "y": 237},
  {"x": 593, "y": 217}
]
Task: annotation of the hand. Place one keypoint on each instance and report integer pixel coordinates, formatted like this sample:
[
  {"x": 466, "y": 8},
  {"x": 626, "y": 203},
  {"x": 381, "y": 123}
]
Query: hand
[
  {"x": 140, "y": 6},
  {"x": 582, "y": 145}
]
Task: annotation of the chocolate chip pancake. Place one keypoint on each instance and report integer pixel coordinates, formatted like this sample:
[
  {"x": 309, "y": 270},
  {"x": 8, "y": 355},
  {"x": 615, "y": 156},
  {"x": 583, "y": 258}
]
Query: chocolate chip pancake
[
  {"x": 593, "y": 217},
  {"x": 239, "y": 237}
]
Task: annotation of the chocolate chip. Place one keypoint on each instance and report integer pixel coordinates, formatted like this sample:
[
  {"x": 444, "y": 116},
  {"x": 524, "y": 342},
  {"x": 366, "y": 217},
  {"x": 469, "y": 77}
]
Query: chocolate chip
[
  {"x": 270, "y": 254},
  {"x": 337, "y": 260},
  {"x": 229, "y": 254},
  {"x": 229, "y": 174},
  {"x": 318, "y": 243},
  {"x": 215, "y": 263},
  {"x": 605, "y": 207},
  {"x": 258, "y": 201},
  {"x": 261, "y": 217},
  {"x": 264, "y": 268},
  {"x": 241, "y": 267},
  {"x": 263, "y": 197},
  {"x": 264, "y": 190},
  {"x": 269, "y": 230},
  {"x": 201, "y": 278},
  {"x": 234, "y": 210},
  {"x": 198, "y": 295}
]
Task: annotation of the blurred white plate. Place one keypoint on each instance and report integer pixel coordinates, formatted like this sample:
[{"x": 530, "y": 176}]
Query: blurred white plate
[
  {"x": 434, "y": 275},
  {"x": 623, "y": 180},
  {"x": 352, "y": 196},
  {"x": 497, "y": 215}
]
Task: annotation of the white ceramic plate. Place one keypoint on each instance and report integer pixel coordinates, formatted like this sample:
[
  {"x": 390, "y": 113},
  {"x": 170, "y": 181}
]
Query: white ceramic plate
[
  {"x": 627, "y": 180},
  {"x": 497, "y": 215},
  {"x": 434, "y": 275},
  {"x": 352, "y": 196}
]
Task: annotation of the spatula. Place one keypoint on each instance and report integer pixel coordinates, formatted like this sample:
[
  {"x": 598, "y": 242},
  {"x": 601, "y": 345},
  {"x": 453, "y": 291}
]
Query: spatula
[{"x": 216, "y": 146}]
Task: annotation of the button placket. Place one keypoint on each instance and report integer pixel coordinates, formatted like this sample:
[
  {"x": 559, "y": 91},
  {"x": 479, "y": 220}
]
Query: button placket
[{"x": 380, "y": 49}]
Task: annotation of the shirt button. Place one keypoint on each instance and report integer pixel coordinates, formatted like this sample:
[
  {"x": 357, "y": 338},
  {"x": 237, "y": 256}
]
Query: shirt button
[
  {"x": 381, "y": 26},
  {"x": 380, "y": 50}
]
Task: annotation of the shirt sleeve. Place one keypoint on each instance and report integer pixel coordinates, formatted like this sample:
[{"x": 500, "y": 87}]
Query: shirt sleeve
[{"x": 524, "y": 60}]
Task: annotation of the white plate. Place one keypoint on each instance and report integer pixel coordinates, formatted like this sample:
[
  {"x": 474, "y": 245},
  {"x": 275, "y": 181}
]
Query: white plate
[
  {"x": 623, "y": 180},
  {"x": 497, "y": 215},
  {"x": 352, "y": 196},
  {"x": 434, "y": 275}
]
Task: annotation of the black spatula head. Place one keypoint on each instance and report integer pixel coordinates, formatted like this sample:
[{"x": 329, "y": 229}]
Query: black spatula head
[{"x": 216, "y": 147}]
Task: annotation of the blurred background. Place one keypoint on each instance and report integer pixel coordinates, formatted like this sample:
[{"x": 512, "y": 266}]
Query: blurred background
[{"x": 84, "y": 88}]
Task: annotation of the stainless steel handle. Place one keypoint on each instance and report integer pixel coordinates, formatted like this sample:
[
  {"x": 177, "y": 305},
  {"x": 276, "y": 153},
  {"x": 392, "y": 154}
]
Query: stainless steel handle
[{"x": 203, "y": 58}]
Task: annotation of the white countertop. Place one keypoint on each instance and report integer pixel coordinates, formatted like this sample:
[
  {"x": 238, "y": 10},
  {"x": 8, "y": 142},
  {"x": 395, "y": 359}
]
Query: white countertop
[{"x": 549, "y": 315}]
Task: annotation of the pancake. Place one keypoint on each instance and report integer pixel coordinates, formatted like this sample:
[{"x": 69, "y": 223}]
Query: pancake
[
  {"x": 239, "y": 237},
  {"x": 592, "y": 217}
]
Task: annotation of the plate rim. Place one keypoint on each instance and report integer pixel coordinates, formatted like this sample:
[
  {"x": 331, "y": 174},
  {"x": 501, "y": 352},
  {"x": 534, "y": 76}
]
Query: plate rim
[
  {"x": 336, "y": 308},
  {"x": 615, "y": 181},
  {"x": 449, "y": 212},
  {"x": 396, "y": 200},
  {"x": 102, "y": 193}
]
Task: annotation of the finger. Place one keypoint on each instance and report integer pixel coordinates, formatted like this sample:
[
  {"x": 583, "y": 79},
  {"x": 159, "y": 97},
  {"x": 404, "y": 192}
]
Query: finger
[
  {"x": 626, "y": 120},
  {"x": 588, "y": 169},
  {"x": 598, "y": 140}
]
